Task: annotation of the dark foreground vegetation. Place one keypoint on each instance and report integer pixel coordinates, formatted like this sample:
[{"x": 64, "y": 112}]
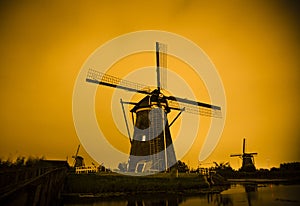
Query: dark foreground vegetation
[
  {"x": 107, "y": 183},
  {"x": 20, "y": 162},
  {"x": 288, "y": 172}
]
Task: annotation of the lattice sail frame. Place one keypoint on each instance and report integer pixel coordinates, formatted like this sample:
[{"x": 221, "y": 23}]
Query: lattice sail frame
[
  {"x": 162, "y": 49},
  {"x": 95, "y": 76},
  {"x": 193, "y": 109},
  {"x": 100, "y": 78}
]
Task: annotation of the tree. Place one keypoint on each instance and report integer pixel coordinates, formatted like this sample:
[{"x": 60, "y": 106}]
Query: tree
[
  {"x": 290, "y": 166},
  {"x": 20, "y": 162},
  {"x": 222, "y": 165},
  {"x": 223, "y": 168},
  {"x": 182, "y": 167}
]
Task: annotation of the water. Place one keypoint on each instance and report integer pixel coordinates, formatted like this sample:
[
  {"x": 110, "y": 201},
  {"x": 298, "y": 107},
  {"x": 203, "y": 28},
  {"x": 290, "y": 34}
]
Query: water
[{"x": 238, "y": 194}]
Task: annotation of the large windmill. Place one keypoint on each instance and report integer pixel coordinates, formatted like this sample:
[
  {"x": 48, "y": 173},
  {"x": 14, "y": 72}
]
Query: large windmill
[
  {"x": 151, "y": 144},
  {"x": 247, "y": 158}
]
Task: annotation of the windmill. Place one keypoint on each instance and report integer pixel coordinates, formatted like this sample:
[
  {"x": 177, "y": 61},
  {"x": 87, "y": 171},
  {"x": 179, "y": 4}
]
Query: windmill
[
  {"x": 247, "y": 158},
  {"x": 78, "y": 160},
  {"x": 151, "y": 142}
]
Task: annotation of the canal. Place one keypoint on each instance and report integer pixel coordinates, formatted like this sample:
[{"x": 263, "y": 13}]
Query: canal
[{"x": 250, "y": 194}]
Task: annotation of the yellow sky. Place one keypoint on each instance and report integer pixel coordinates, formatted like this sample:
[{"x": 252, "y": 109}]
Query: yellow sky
[{"x": 253, "y": 44}]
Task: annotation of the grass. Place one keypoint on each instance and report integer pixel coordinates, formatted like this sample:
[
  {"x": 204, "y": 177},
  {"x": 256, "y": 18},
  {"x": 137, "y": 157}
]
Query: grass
[{"x": 117, "y": 183}]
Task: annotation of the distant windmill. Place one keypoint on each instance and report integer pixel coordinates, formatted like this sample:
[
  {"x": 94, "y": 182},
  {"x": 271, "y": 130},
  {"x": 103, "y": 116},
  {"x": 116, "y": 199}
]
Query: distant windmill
[
  {"x": 151, "y": 143},
  {"x": 78, "y": 160},
  {"x": 247, "y": 158}
]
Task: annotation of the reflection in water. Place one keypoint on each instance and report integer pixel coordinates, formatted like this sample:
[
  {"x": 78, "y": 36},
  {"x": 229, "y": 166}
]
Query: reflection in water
[
  {"x": 242, "y": 193},
  {"x": 142, "y": 201},
  {"x": 219, "y": 200},
  {"x": 251, "y": 190},
  {"x": 176, "y": 200},
  {"x": 250, "y": 187},
  {"x": 238, "y": 194}
]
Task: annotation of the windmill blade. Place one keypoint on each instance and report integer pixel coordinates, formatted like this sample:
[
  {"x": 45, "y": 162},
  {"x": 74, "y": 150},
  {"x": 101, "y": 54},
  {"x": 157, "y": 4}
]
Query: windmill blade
[
  {"x": 253, "y": 153},
  {"x": 161, "y": 65},
  {"x": 76, "y": 154},
  {"x": 133, "y": 103},
  {"x": 244, "y": 145},
  {"x": 97, "y": 77},
  {"x": 195, "y": 103},
  {"x": 235, "y": 155},
  {"x": 194, "y": 107}
]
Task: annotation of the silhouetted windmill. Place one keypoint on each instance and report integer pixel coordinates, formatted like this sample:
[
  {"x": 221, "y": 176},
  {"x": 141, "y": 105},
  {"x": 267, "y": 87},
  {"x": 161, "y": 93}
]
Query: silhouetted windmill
[
  {"x": 78, "y": 160},
  {"x": 247, "y": 158},
  {"x": 151, "y": 143}
]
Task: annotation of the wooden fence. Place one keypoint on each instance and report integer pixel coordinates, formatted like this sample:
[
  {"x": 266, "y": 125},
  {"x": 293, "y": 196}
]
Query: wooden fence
[{"x": 32, "y": 186}]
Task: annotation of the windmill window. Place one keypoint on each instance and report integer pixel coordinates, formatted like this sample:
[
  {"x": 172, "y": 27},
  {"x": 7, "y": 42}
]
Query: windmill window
[{"x": 144, "y": 138}]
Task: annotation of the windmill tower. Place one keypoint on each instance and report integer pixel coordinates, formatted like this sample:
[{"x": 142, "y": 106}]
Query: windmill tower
[
  {"x": 247, "y": 158},
  {"x": 78, "y": 160},
  {"x": 151, "y": 144}
]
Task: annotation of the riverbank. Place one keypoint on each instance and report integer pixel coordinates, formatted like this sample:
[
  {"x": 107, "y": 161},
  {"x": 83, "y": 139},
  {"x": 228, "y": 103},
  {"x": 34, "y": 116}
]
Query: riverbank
[
  {"x": 111, "y": 185},
  {"x": 263, "y": 176},
  {"x": 262, "y": 181}
]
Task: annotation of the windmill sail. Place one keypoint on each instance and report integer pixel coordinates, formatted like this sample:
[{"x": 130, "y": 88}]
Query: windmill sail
[
  {"x": 151, "y": 142},
  {"x": 192, "y": 109},
  {"x": 161, "y": 65},
  {"x": 94, "y": 76}
]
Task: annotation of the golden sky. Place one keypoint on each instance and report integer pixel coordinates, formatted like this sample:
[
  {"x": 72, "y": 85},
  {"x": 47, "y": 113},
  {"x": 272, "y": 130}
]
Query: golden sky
[{"x": 253, "y": 44}]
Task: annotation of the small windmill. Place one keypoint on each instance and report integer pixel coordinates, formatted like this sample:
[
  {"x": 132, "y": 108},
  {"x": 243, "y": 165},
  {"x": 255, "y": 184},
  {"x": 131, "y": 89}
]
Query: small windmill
[
  {"x": 247, "y": 158},
  {"x": 78, "y": 160},
  {"x": 151, "y": 142}
]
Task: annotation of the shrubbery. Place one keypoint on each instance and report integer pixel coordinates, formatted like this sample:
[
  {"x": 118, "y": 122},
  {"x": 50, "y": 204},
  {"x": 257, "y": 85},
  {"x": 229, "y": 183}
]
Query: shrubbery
[{"x": 20, "y": 162}]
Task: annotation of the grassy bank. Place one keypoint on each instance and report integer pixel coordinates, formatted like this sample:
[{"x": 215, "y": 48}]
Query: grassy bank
[{"x": 111, "y": 183}]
